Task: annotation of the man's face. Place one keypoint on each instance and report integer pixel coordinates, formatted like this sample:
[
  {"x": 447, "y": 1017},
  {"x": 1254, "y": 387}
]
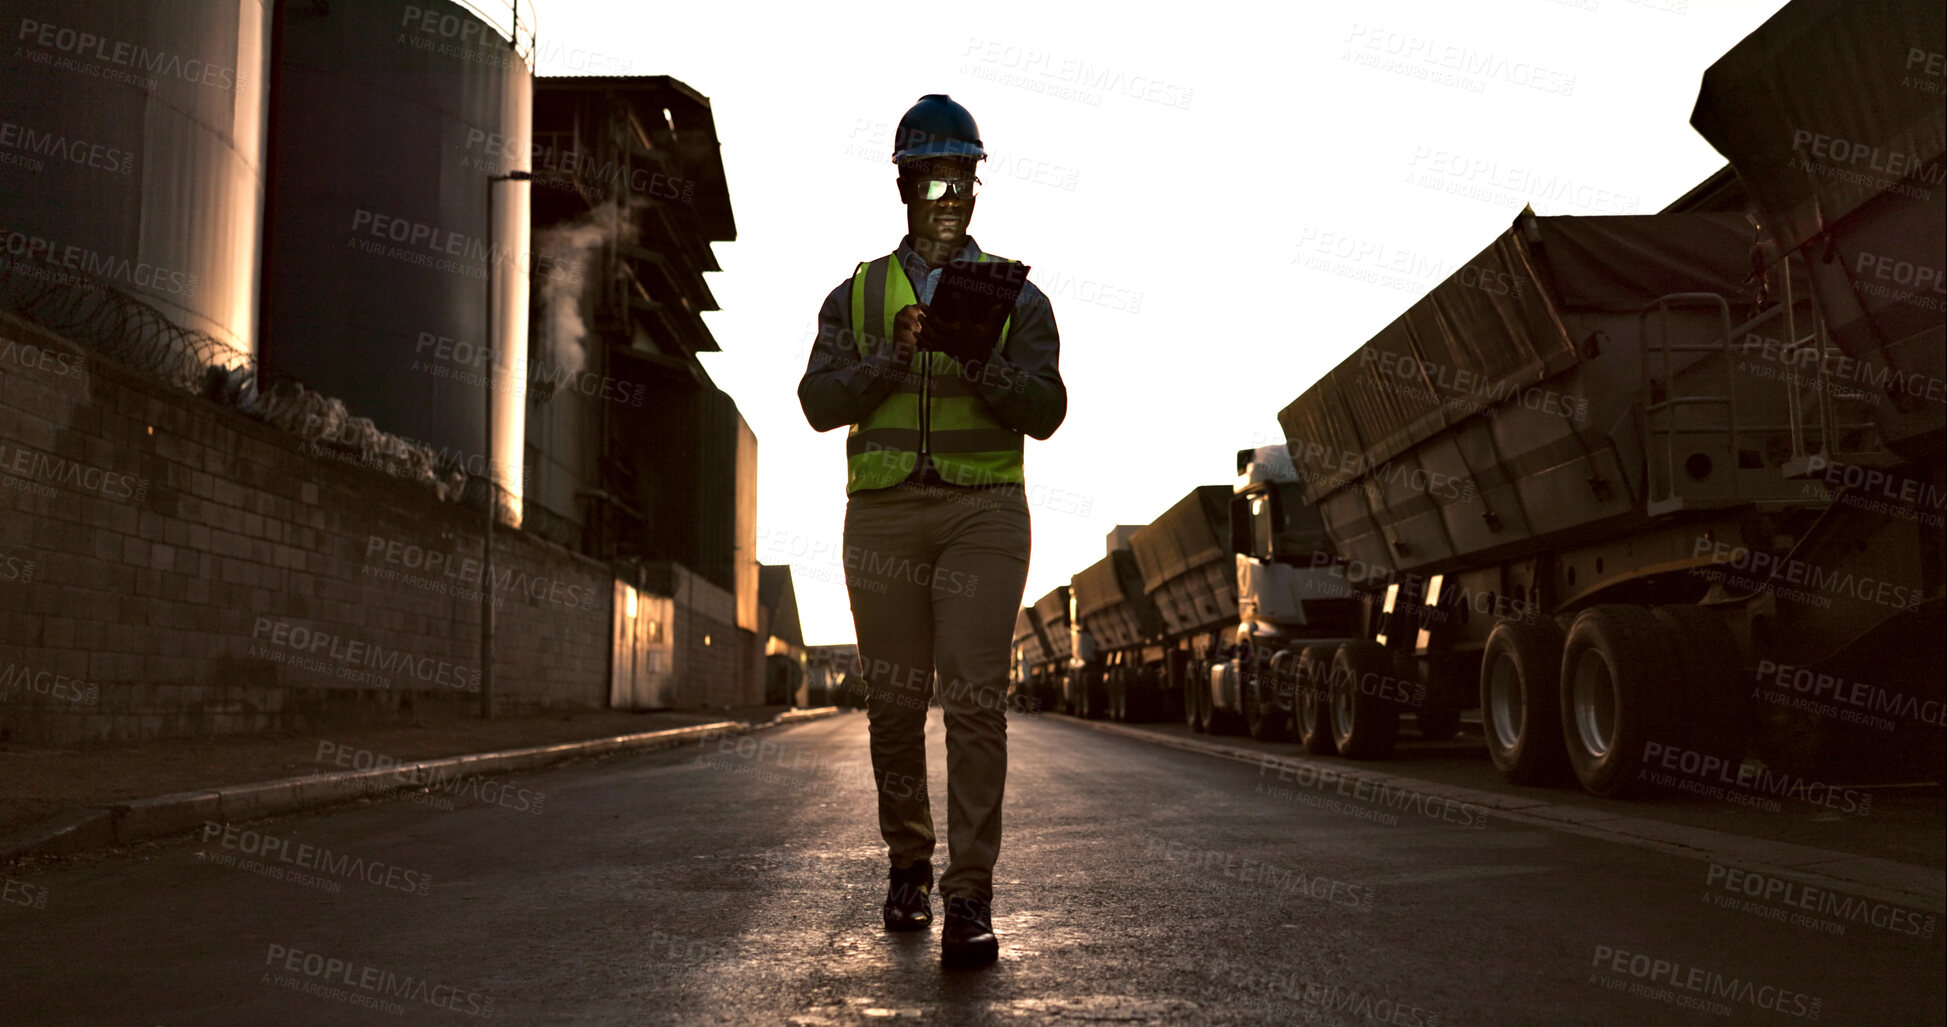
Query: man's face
[{"x": 944, "y": 220}]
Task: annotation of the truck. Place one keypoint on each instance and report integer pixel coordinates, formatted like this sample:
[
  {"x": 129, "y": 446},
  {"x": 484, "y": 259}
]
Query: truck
[
  {"x": 1027, "y": 652},
  {"x": 1116, "y": 630},
  {"x": 1209, "y": 612},
  {"x": 1042, "y": 683},
  {"x": 1142, "y": 627},
  {"x": 1182, "y": 618},
  {"x": 1294, "y": 610},
  {"x": 1661, "y": 495},
  {"x": 1569, "y": 487},
  {"x": 1606, "y": 476}
]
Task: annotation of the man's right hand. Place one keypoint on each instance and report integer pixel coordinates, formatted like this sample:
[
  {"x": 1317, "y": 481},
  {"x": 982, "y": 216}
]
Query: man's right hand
[{"x": 906, "y": 326}]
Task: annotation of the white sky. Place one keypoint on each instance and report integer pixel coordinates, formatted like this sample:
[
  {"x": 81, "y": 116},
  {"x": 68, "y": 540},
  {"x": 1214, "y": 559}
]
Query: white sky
[{"x": 1314, "y": 133}]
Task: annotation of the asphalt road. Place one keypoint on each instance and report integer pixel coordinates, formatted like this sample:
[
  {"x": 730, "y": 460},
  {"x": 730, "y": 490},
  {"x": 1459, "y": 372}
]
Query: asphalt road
[
  {"x": 1904, "y": 821},
  {"x": 1137, "y": 884}
]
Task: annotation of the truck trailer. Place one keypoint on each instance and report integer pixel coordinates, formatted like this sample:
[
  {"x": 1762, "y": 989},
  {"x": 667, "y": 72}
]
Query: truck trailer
[
  {"x": 1636, "y": 493},
  {"x": 1045, "y": 684},
  {"x": 1190, "y": 575},
  {"x": 1556, "y": 480},
  {"x": 1115, "y": 625},
  {"x": 1641, "y": 488}
]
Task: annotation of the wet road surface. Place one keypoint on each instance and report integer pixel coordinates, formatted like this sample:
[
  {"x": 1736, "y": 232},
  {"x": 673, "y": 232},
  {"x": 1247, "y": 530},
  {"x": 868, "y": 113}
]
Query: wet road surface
[{"x": 738, "y": 881}]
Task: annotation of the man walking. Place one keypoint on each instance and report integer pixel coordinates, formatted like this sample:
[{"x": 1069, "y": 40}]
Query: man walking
[{"x": 936, "y": 521}]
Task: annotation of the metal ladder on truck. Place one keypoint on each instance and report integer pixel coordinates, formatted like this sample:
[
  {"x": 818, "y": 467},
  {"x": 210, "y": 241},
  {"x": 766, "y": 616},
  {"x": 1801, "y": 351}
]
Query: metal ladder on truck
[{"x": 1812, "y": 425}]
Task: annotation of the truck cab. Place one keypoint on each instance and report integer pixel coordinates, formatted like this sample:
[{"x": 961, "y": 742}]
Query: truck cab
[{"x": 1290, "y": 592}]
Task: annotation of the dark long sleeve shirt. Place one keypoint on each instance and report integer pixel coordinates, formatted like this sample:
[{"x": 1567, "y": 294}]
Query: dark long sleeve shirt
[{"x": 1022, "y": 388}]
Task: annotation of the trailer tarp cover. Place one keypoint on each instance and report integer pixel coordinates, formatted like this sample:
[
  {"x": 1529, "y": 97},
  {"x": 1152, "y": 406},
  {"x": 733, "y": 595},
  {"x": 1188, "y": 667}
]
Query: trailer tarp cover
[
  {"x": 1493, "y": 329},
  {"x": 1826, "y": 105},
  {"x": 1096, "y": 588},
  {"x": 1625, "y": 263},
  {"x": 1194, "y": 532},
  {"x": 1023, "y": 627},
  {"x": 1110, "y": 602},
  {"x": 1052, "y": 609}
]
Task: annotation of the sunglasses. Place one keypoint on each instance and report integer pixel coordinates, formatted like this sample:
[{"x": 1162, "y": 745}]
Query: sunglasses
[{"x": 934, "y": 188}]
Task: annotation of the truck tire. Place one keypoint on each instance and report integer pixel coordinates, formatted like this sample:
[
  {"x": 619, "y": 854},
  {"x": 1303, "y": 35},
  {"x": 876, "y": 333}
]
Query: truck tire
[
  {"x": 1521, "y": 701},
  {"x": 1312, "y": 705},
  {"x": 1365, "y": 724},
  {"x": 1219, "y": 721},
  {"x": 1711, "y": 705},
  {"x": 1620, "y": 687},
  {"x": 1195, "y": 698},
  {"x": 1264, "y": 717},
  {"x": 1117, "y": 696}
]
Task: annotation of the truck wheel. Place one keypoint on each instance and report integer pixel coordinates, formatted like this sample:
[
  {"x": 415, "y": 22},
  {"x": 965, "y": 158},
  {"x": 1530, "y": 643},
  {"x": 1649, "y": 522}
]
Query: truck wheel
[
  {"x": 1193, "y": 703},
  {"x": 1266, "y": 720},
  {"x": 1711, "y": 707},
  {"x": 1521, "y": 699},
  {"x": 1313, "y": 702},
  {"x": 1216, "y": 721},
  {"x": 1619, "y": 687},
  {"x": 1364, "y": 723},
  {"x": 1113, "y": 679}
]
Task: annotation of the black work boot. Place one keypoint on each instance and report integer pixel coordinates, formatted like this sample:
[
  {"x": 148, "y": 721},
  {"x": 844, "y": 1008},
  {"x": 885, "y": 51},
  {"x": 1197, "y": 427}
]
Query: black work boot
[
  {"x": 909, "y": 899},
  {"x": 968, "y": 939}
]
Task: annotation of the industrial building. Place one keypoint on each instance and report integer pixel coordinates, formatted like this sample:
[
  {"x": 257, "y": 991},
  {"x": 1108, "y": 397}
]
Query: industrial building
[{"x": 360, "y": 265}]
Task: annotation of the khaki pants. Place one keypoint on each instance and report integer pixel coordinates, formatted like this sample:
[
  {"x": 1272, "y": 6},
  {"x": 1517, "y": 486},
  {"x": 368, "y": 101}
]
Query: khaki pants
[{"x": 935, "y": 576}]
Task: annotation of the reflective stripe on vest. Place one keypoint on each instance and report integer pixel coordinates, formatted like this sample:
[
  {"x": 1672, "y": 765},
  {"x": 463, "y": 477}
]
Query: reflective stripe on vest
[{"x": 932, "y": 407}]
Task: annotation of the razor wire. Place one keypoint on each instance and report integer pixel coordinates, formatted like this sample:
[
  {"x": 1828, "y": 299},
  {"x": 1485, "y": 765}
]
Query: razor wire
[{"x": 135, "y": 334}]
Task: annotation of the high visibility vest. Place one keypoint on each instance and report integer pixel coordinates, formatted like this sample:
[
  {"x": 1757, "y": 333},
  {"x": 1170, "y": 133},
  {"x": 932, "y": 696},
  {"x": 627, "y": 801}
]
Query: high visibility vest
[{"x": 932, "y": 409}]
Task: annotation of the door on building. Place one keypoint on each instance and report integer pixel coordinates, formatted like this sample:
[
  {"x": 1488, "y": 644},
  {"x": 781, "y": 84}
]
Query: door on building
[{"x": 641, "y": 668}]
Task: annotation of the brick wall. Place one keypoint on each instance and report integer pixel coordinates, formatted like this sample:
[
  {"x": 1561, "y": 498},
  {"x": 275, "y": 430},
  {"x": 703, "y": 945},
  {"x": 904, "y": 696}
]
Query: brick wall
[
  {"x": 169, "y": 566},
  {"x": 707, "y": 649}
]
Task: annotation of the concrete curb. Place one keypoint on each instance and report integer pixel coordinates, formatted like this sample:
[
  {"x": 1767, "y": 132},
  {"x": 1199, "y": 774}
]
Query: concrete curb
[
  {"x": 100, "y": 827},
  {"x": 1920, "y": 888}
]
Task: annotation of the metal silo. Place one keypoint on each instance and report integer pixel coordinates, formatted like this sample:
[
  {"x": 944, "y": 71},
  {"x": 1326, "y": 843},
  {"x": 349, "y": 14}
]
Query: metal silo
[
  {"x": 131, "y": 157},
  {"x": 389, "y": 119}
]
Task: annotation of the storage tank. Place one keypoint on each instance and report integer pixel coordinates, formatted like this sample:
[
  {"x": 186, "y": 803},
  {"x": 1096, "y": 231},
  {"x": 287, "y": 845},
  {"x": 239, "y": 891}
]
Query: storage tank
[
  {"x": 390, "y": 119},
  {"x": 131, "y": 157}
]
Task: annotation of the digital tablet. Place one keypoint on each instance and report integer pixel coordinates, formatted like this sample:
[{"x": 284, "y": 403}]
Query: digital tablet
[{"x": 974, "y": 297}]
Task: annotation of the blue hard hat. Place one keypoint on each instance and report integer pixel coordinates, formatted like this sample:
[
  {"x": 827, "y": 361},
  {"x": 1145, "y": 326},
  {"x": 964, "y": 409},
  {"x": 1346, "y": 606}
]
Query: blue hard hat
[{"x": 936, "y": 127}]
